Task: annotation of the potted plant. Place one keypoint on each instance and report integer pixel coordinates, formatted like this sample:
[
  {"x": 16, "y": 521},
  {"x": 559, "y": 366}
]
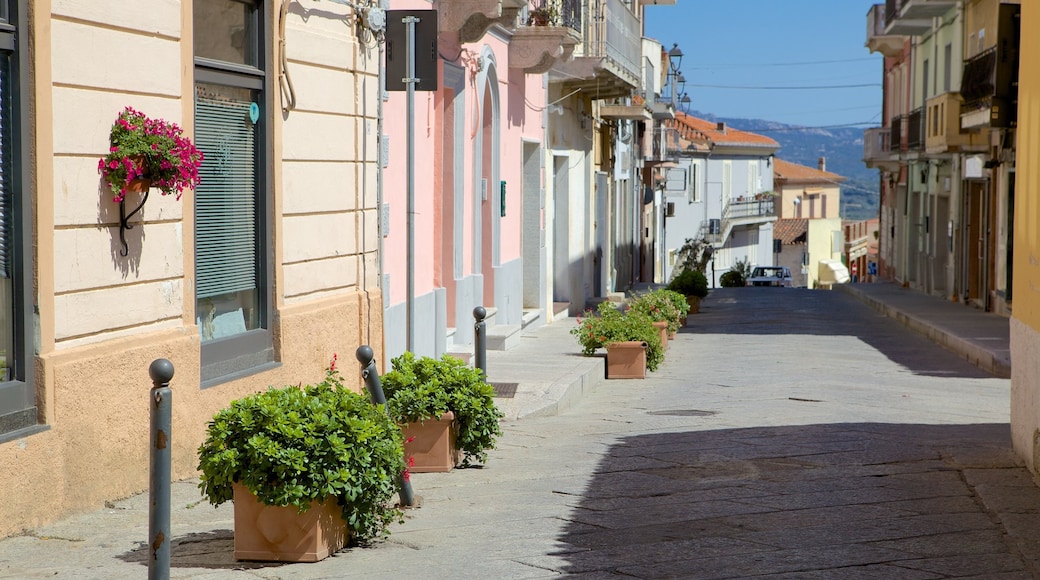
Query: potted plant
[
  {"x": 544, "y": 15},
  {"x": 619, "y": 332},
  {"x": 692, "y": 285},
  {"x": 147, "y": 152},
  {"x": 446, "y": 408},
  {"x": 303, "y": 464},
  {"x": 661, "y": 305}
]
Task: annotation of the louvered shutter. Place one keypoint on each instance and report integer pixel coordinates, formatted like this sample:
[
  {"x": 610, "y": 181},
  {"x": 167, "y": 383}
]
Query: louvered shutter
[
  {"x": 6, "y": 167},
  {"x": 225, "y": 201}
]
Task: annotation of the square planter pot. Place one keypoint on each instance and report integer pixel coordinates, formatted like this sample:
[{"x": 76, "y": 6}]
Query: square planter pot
[
  {"x": 662, "y": 329},
  {"x": 626, "y": 360},
  {"x": 694, "y": 302},
  {"x": 282, "y": 534},
  {"x": 432, "y": 446}
]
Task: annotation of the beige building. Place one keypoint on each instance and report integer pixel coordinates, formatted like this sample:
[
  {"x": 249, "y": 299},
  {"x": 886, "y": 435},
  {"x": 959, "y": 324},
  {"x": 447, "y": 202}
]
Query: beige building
[
  {"x": 809, "y": 225},
  {"x": 806, "y": 192},
  {"x": 255, "y": 279}
]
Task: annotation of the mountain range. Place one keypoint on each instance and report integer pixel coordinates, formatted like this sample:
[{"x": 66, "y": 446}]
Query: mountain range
[{"x": 841, "y": 146}]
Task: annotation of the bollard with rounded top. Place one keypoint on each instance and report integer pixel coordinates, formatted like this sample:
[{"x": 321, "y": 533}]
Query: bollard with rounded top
[
  {"x": 161, "y": 418},
  {"x": 480, "y": 340},
  {"x": 367, "y": 357}
]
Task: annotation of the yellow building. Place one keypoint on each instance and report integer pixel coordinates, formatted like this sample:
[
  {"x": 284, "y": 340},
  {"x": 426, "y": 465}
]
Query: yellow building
[{"x": 1025, "y": 322}]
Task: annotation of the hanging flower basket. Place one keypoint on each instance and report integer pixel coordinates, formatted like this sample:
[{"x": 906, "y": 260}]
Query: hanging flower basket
[{"x": 146, "y": 153}]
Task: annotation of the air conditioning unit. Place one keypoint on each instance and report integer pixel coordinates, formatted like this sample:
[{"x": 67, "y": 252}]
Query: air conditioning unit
[{"x": 669, "y": 209}]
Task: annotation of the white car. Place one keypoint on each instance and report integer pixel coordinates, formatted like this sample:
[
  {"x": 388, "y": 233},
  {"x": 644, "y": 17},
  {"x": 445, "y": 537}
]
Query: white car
[{"x": 770, "y": 276}]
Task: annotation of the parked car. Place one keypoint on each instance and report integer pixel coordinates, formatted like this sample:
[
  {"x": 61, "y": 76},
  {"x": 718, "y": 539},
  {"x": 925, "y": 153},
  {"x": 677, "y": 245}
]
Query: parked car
[{"x": 770, "y": 276}]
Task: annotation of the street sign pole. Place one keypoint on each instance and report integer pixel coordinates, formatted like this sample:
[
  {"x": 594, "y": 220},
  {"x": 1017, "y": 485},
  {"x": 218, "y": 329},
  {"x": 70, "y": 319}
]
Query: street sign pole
[{"x": 409, "y": 81}]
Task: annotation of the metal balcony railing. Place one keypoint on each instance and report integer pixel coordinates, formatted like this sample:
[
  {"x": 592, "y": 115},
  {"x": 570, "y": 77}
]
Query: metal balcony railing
[
  {"x": 978, "y": 83},
  {"x": 613, "y": 31},
  {"x": 897, "y": 130},
  {"x": 915, "y": 129},
  {"x": 565, "y": 13},
  {"x": 891, "y": 10},
  {"x": 754, "y": 208}
]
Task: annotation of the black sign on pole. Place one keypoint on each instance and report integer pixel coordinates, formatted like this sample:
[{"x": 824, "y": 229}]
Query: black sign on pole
[{"x": 425, "y": 50}]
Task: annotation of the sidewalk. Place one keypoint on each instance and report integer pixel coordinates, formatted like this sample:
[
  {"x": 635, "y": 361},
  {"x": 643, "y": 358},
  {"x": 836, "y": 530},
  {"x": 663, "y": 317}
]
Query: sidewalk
[
  {"x": 548, "y": 370},
  {"x": 980, "y": 337}
]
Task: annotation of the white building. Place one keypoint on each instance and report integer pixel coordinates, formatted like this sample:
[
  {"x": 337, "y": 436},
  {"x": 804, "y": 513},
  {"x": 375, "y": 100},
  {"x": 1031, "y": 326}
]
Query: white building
[{"x": 719, "y": 191}]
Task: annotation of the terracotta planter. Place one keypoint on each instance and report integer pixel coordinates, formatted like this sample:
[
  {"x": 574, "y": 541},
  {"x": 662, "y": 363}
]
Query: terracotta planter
[
  {"x": 694, "y": 302},
  {"x": 138, "y": 185},
  {"x": 626, "y": 360},
  {"x": 432, "y": 446},
  {"x": 662, "y": 329},
  {"x": 282, "y": 534}
]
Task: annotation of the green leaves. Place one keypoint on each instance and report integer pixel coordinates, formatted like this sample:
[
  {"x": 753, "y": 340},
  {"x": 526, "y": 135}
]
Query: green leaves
[
  {"x": 424, "y": 388},
  {"x": 295, "y": 445},
  {"x": 610, "y": 324}
]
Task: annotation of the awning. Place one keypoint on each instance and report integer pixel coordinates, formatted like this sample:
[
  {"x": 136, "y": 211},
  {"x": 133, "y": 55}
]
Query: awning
[
  {"x": 628, "y": 112},
  {"x": 833, "y": 272}
]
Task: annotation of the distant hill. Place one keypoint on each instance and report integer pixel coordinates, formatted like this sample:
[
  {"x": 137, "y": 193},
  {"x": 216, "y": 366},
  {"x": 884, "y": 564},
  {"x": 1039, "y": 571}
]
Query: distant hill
[{"x": 843, "y": 148}]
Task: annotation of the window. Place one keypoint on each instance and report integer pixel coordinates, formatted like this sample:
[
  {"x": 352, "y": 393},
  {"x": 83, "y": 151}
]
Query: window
[
  {"x": 18, "y": 414},
  {"x": 925, "y": 74},
  {"x": 232, "y": 274},
  {"x": 727, "y": 180},
  {"x": 947, "y": 67},
  {"x": 695, "y": 191}
]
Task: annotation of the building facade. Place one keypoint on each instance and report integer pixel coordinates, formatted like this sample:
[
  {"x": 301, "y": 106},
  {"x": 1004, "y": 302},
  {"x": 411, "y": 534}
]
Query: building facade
[
  {"x": 1025, "y": 321},
  {"x": 946, "y": 149},
  {"x": 719, "y": 191},
  {"x": 254, "y": 279}
]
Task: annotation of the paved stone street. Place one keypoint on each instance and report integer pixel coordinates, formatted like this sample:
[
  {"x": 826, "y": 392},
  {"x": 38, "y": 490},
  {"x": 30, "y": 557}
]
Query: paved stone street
[{"x": 789, "y": 434}]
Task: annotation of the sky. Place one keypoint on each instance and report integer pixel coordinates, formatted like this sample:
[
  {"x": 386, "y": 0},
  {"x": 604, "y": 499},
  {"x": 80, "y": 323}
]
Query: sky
[{"x": 775, "y": 43}]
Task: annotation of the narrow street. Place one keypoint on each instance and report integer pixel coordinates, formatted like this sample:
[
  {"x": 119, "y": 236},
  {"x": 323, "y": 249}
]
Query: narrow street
[{"x": 789, "y": 434}]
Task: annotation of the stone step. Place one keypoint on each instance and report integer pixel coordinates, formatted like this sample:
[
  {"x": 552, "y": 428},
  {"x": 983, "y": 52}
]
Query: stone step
[{"x": 503, "y": 336}]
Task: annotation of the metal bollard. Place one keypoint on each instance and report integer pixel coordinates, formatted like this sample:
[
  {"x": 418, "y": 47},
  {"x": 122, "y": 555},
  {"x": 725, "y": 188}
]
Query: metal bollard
[
  {"x": 367, "y": 358},
  {"x": 161, "y": 371},
  {"x": 480, "y": 340}
]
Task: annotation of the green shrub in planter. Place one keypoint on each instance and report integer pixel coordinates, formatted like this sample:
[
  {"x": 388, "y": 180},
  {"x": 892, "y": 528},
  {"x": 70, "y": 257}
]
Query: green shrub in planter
[
  {"x": 732, "y": 279},
  {"x": 609, "y": 324},
  {"x": 690, "y": 283},
  {"x": 661, "y": 305},
  {"x": 294, "y": 445},
  {"x": 424, "y": 388}
]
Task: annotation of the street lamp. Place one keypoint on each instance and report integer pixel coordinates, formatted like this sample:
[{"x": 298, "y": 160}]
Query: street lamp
[{"x": 674, "y": 62}]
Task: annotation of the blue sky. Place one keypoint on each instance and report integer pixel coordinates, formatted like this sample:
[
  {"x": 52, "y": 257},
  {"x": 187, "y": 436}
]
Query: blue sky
[{"x": 763, "y": 43}]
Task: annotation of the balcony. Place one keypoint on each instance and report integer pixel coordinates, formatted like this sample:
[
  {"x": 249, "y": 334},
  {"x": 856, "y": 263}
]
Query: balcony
[
  {"x": 744, "y": 212},
  {"x": 877, "y": 149},
  {"x": 460, "y": 21},
  {"x": 943, "y": 124},
  {"x": 547, "y": 33},
  {"x": 877, "y": 39},
  {"x": 989, "y": 84},
  {"x": 607, "y": 64},
  {"x": 901, "y": 20},
  {"x": 915, "y": 130}
]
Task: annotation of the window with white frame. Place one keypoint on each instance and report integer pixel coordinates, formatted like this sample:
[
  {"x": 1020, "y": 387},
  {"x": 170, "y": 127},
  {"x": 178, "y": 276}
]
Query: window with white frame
[
  {"x": 18, "y": 410},
  {"x": 232, "y": 209}
]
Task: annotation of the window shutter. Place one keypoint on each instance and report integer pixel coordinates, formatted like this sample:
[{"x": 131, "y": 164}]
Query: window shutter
[
  {"x": 6, "y": 167},
  {"x": 225, "y": 202}
]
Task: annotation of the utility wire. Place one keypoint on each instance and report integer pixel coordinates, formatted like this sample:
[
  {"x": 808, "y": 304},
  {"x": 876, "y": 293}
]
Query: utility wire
[
  {"x": 779, "y": 88},
  {"x": 772, "y": 64}
]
